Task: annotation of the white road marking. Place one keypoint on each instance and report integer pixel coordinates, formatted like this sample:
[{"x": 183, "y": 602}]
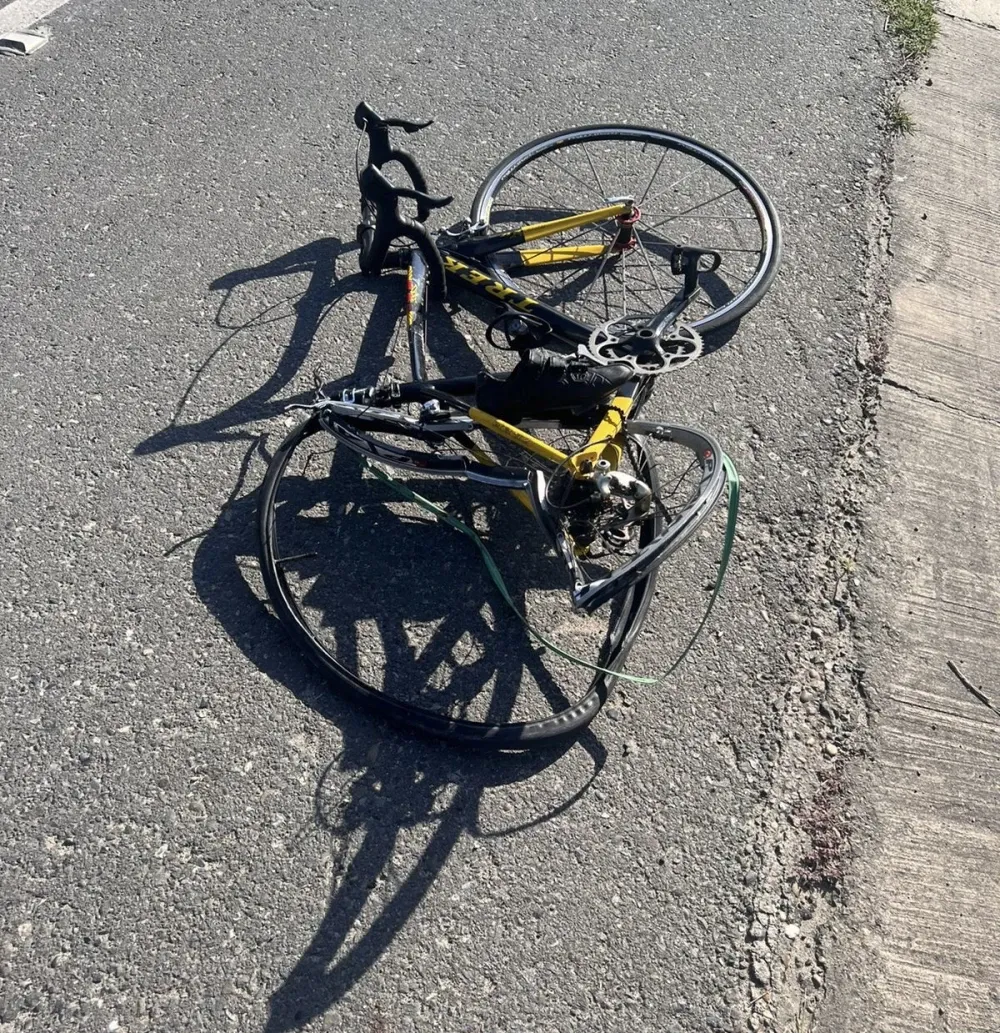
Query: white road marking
[{"x": 22, "y": 14}]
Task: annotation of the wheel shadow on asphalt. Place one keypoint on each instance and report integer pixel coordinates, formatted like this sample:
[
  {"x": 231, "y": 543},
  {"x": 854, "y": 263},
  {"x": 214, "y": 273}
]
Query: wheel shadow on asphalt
[{"x": 384, "y": 786}]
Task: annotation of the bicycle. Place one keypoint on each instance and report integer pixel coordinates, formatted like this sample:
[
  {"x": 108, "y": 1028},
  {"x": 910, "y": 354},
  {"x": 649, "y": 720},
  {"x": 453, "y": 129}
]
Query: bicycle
[{"x": 570, "y": 288}]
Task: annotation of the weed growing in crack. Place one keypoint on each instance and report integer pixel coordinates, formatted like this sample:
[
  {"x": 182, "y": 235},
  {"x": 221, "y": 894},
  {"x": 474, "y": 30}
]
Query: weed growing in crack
[{"x": 899, "y": 120}]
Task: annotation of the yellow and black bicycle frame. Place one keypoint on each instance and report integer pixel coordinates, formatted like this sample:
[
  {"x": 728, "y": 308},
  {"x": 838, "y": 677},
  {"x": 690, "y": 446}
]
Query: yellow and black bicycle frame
[
  {"x": 460, "y": 262},
  {"x": 604, "y": 443},
  {"x": 461, "y": 265}
]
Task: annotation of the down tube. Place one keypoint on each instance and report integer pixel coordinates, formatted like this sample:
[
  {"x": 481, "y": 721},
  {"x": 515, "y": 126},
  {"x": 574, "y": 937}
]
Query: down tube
[
  {"x": 470, "y": 274},
  {"x": 416, "y": 314}
]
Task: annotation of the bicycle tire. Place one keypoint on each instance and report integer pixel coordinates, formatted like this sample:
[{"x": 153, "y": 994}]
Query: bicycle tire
[
  {"x": 483, "y": 214},
  {"x": 519, "y": 735}
]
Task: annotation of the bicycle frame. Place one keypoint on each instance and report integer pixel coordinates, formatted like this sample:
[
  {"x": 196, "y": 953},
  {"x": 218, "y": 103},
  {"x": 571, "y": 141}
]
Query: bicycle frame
[
  {"x": 458, "y": 257},
  {"x": 461, "y": 266},
  {"x": 614, "y": 526}
]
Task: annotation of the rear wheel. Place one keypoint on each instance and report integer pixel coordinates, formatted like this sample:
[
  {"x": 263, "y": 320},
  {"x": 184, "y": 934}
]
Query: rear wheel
[
  {"x": 396, "y": 609},
  {"x": 687, "y": 193}
]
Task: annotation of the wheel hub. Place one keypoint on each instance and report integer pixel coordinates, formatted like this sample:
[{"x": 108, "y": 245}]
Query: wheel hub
[{"x": 625, "y": 239}]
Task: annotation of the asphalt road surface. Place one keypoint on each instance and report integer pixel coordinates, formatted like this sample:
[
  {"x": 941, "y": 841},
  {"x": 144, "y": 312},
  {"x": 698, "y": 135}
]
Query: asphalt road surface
[{"x": 193, "y": 835}]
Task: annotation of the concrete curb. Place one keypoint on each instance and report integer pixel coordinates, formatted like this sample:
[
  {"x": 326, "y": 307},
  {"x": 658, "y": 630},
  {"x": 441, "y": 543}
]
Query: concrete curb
[{"x": 934, "y": 878}]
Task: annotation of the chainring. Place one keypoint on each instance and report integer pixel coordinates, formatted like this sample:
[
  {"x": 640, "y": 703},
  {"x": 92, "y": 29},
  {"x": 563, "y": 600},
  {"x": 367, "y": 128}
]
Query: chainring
[{"x": 629, "y": 341}]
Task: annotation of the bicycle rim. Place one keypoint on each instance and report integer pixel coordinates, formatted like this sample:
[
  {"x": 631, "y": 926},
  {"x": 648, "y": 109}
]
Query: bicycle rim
[
  {"x": 688, "y": 194},
  {"x": 397, "y": 612}
]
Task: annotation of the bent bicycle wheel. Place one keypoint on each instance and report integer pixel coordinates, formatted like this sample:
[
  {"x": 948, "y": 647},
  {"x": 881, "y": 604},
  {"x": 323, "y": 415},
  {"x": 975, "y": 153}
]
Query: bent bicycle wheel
[
  {"x": 687, "y": 193},
  {"x": 397, "y": 609}
]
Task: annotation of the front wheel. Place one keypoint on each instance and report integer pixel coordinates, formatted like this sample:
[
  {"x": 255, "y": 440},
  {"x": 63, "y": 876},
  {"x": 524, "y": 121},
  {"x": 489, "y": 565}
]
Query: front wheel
[{"x": 687, "y": 194}]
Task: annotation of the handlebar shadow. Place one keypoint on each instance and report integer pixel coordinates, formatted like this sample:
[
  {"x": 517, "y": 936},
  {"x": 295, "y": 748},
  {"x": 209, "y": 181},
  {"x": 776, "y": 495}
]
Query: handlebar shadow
[{"x": 308, "y": 309}]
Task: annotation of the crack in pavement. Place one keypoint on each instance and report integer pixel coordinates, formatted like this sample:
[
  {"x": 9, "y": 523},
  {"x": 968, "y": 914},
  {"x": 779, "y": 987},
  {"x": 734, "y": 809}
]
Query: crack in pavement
[
  {"x": 923, "y": 396},
  {"x": 970, "y": 21}
]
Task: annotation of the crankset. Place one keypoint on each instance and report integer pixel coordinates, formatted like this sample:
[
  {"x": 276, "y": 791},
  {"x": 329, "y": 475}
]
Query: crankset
[{"x": 631, "y": 341}]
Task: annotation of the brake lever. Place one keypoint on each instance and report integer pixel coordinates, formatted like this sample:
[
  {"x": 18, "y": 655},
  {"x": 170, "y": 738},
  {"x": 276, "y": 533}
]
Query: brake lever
[
  {"x": 430, "y": 200},
  {"x": 381, "y": 152},
  {"x": 377, "y": 188}
]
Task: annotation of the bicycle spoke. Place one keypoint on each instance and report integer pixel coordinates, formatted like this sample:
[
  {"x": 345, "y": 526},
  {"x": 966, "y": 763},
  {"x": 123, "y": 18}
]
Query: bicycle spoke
[
  {"x": 561, "y": 207},
  {"x": 284, "y": 561},
  {"x": 739, "y": 235},
  {"x": 698, "y": 207},
  {"x": 709, "y": 218},
  {"x": 600, "y": 269},
  {"x": 624, "y": 265},
  {"x": 680, "y": 480},
  {"x": 637, "y": 292},
  {"x": 673, "y": 186},
  {"x": 649, "y": 185},
  {"x": 649, "y": 265},
  {"x": 600, "y": 185},
  {"x": 587, "y": 186}
]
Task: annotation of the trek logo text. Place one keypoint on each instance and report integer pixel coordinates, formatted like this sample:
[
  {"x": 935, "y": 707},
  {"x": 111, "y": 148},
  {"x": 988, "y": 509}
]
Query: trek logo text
[{"x": 496, "y": 290}]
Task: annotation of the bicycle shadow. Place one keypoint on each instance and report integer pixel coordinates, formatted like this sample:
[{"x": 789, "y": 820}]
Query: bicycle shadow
[
  {"x": 309, "y": 308},
  {"x": 387, "y": 800},
  {"x": 395, "y": 783},
  {"x": 399, "y": 786}
]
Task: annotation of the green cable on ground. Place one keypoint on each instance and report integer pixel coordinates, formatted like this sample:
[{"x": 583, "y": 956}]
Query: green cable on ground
[
  {"x": 733, "y": 505},
  {"x": 733, "y": 489}
]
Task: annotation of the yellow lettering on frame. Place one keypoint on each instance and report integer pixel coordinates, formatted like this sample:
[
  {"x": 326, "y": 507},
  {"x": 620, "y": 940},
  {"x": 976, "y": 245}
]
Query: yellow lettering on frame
[
  {"x": 453, "y": 265},
  {"x": 498, "y": 290},
  {"x": 524, "y": 304},
  {"x": 474, "y": 276}
]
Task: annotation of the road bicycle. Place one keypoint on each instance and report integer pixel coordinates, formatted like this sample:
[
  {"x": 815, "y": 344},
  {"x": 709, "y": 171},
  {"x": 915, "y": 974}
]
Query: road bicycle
[{"x": 603, "y": 255}]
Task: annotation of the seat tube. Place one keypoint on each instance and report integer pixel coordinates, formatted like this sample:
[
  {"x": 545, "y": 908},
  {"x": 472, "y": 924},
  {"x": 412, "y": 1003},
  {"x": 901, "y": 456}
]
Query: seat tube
[{"x": 606, "y": 440}]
